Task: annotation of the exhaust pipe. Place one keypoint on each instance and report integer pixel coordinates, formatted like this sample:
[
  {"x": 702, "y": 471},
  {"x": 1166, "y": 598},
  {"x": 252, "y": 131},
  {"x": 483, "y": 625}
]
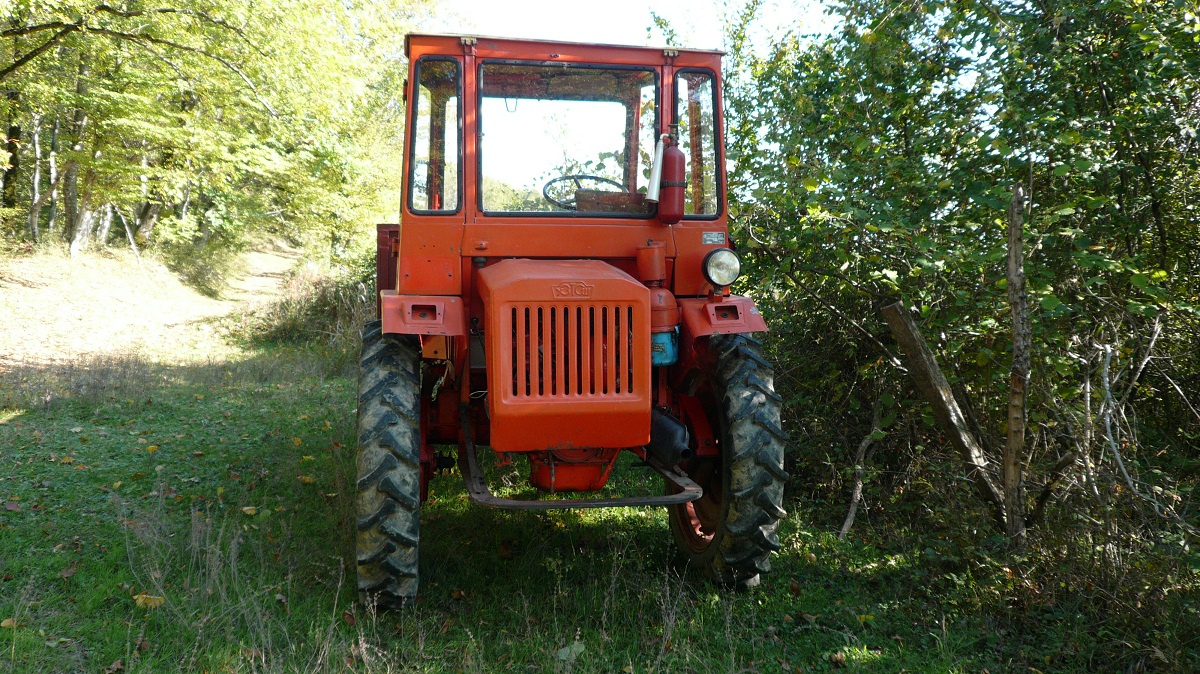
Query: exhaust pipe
[{"x": 668, "y": 440}]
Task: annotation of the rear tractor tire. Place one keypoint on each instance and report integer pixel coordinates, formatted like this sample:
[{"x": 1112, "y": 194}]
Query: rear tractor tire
[
  {"x": 730, "y": 532},
  {"x": 389, "y": 467}
]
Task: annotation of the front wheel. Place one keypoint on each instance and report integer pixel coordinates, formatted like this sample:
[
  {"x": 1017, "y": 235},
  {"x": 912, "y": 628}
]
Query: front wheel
[
  {"x": 389, "y": 467},
  {"x": 730, "y": 532}
]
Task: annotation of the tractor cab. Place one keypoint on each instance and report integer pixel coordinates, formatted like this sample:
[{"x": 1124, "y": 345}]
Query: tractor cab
[
  {"x": 558, "y": 290},
  {"x": 557, "y": 136}
]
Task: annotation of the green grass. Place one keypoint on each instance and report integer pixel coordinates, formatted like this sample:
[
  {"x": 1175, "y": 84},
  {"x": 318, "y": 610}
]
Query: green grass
[
  {"x": 225, "y": 489},
  {"x": 239, "y": 519}
]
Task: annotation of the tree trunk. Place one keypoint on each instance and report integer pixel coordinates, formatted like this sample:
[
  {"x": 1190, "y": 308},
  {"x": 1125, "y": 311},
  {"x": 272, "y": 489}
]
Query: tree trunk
[
  {"x": 71, "y": 200},
  {"x": 79, "y": 121},
  {"x": 13, "y": 146},
  {"x": 52, "y": 218},
  {"x": 85, "y": 217},
  {"x": 35, "y": 208},
  {"x": 147, "y": 217},
  {"x": 948, "y": 412},
  {"x": 1014, "y": 448},
  {"x": 36, "y": 181},
  {"x": 129, "y": 235},
  {"x": 104, "y": 224}
]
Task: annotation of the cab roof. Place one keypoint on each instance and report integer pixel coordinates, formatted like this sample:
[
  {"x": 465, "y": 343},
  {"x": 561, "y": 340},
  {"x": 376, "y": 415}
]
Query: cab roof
[{"x": 421, "y": 44}]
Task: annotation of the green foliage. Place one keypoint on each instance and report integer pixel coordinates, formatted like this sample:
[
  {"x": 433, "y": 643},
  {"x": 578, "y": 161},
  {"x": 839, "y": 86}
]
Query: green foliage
[
  {"x": 876, "y": 164},
  {"x": 231, "y": 116}
]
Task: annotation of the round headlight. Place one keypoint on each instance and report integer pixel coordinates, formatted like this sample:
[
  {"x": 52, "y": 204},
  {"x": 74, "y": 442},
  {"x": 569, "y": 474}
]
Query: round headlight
[{"x": 722, "y": 267}]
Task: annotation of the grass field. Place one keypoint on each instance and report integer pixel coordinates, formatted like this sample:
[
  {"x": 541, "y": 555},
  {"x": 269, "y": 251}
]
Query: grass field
[{"x": 192, "y": 513}]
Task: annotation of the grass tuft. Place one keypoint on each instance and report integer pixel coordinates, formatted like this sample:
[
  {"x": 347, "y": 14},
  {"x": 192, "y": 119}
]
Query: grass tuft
[{"x": 319, "y": 309}]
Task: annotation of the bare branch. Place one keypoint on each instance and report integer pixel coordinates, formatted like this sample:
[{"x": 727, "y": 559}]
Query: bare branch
[
  {"x": 220, "y": 23},
  {"x": 53, "y": 186},
  {"x": 170, "y": 64},
  {"x": 860, "y": 460},
  {"x": 194, "y": 50},
  {"x": 65, "y": 29},
  {"x": 1064, "y": 463},
  {"x": 30, "y": 30},
  {"x": 39, "y": 50},
  {"x": 1137, "y": 373},
  {"x": 1178, "y": 390}
]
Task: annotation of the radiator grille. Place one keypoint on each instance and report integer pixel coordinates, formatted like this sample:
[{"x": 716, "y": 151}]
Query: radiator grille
[{"x": 571, "y": 350}]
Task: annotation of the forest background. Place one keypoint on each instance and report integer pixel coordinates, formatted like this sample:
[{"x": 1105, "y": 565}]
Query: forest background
[{"x": 887, "y": 160}]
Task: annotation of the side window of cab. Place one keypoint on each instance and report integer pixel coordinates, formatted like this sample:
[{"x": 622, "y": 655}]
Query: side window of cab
[
  {"x": 435, "y": 159},
  {"x": 695, "y": 112}
]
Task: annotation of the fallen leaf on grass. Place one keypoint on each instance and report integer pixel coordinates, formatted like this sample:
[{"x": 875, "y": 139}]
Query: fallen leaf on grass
[
  {"x": 446, "y": 627},
  {"x": 68, "y": 572},
  {"x": 67, "y": 459},
  {"x": 458, "y": 594},
  {"x": 13, "y": 506},
  {"x": 250, "y": 510},
  {"x": 307, "y": 479},
  {"x": 348, "y": 617},
  {"x": 152, "y": 449},
  {"x": 115, "y": 667},
  {"x": 117, "y": 485},
  {"x": 148, "y": 601},
  {"x": 8, "y": 624},
  {"x": 297, "y": 441}
]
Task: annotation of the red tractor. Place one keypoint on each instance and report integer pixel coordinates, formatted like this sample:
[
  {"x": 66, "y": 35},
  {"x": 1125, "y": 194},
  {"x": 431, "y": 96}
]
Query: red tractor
[{"x": 558, "y": 289}]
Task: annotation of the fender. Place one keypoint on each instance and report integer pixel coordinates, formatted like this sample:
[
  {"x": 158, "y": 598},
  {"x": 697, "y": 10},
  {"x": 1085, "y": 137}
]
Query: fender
[
  {"x": 422, "y": 314},
  {"x": 733, "y": 314},
  {"x": 704, "y": 317}
]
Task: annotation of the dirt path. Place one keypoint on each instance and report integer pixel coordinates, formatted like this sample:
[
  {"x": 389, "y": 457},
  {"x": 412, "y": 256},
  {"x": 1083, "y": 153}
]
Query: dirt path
[{"x": 54, "y": 308}]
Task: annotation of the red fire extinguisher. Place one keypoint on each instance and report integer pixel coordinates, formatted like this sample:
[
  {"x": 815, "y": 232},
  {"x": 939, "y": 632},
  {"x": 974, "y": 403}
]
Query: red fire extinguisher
[{"x": 667, "y": 180}]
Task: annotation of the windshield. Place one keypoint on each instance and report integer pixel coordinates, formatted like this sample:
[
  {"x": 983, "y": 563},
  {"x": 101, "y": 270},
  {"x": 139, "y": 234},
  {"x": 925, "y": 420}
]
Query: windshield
[{"x": 566, "y": 138}]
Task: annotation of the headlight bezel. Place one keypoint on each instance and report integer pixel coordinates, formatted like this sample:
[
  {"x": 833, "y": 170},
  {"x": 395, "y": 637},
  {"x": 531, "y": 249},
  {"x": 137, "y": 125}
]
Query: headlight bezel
[{"x": 714, "y": 257}]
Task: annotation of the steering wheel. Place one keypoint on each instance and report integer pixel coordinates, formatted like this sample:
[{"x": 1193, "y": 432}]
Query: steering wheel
[{"x": 578, "y": 178}]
